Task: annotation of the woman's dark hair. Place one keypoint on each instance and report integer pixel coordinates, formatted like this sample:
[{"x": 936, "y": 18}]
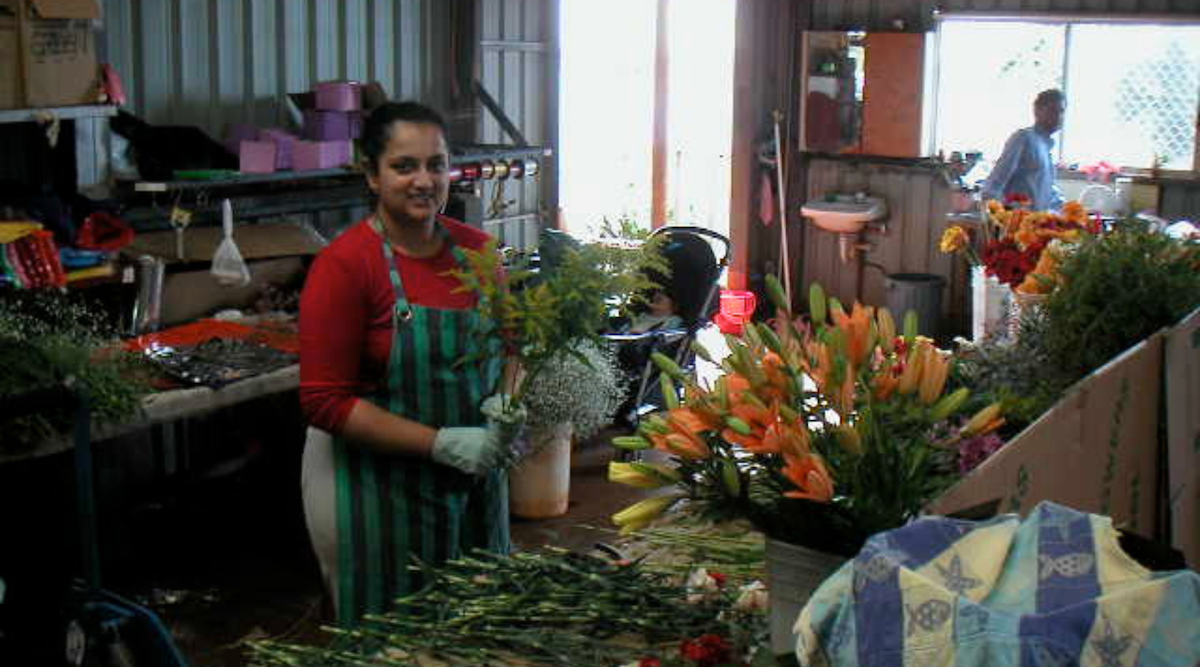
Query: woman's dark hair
[{"x": 378, "y": 126}]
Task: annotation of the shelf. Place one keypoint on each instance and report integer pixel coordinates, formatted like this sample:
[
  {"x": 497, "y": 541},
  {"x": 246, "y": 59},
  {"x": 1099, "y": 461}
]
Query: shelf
[
  {"x": 62, "y": 113},
  {"x": 242, "y": 179}
]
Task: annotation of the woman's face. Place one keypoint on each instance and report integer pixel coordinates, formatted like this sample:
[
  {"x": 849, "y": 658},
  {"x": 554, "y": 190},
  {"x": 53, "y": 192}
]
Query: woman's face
[{"x": 411, "y": 176}]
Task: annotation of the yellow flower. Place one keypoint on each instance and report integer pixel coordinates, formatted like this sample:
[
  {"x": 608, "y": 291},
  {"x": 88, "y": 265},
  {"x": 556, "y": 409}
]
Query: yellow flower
[
  {"x": 639, "y": 515},
  {"x": 984, "y": 421},
  {"x": 953, "y": 239},
  {"x": 642, "y": 475}
]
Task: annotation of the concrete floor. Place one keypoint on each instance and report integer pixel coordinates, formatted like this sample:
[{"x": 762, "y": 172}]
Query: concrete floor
[{"x": 233, "y": 563}]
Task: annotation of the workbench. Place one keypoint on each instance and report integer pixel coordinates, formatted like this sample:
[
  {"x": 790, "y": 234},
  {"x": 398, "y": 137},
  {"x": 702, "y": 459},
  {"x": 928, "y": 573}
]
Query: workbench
[{"x": 165, "y": 406}]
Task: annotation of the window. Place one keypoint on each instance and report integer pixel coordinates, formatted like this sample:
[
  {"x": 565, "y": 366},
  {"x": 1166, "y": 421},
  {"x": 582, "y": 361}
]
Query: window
[{"x": 1132, "y": 88}]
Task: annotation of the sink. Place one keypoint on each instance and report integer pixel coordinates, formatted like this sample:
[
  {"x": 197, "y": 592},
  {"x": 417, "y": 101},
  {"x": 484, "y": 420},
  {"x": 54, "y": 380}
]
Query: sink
[{"x": 844, "y": 214}]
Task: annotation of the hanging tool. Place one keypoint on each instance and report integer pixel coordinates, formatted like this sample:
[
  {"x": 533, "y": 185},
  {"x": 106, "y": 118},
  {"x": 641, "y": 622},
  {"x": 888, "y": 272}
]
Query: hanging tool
[{"x": 784, "y": 263}]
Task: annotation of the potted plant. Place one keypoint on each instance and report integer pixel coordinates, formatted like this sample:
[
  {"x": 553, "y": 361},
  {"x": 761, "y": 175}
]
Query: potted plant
[
  {"x": 821, "y": 433},
  {"x": 573, "y": 397}
]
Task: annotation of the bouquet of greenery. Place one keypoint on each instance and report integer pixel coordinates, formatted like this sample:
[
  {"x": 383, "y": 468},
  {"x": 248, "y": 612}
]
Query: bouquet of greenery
[
  {"x": 47, "y": 336},
  {"x": 819, "y": 433},
  {"x": 537, "y": 315}
]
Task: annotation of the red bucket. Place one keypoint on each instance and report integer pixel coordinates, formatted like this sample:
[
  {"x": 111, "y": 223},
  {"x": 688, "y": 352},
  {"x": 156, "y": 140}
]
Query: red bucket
[{"x": 737, "y": 308}]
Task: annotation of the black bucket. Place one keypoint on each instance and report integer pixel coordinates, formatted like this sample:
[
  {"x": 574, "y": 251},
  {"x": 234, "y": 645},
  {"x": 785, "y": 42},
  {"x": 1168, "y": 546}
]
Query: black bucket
[{"x": 918, "y": 292}]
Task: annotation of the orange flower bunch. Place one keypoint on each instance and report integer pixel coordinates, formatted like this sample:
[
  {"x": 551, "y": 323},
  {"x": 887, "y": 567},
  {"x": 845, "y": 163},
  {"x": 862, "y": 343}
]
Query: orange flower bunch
[
  {"x": 1041, "y": 237},
  {"x": 824, "y": 423}
]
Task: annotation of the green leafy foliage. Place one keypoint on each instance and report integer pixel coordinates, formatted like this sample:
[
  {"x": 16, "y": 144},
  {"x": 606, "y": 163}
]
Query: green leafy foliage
[
  {"x": 1022, "y": 374},
  {"x": 1118, "y": 289},
  {"x": 47, "y": 336},
  {"x": 537, "y": 314}
]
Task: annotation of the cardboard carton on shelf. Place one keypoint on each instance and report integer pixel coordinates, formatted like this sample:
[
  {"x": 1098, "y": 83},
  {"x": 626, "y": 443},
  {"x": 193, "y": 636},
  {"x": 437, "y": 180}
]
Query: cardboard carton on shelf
[{"x": 48, "y": 53}]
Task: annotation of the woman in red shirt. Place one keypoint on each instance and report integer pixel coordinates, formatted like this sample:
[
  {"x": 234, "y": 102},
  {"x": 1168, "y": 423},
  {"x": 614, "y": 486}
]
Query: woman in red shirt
[{"x": 399, "y": 461}]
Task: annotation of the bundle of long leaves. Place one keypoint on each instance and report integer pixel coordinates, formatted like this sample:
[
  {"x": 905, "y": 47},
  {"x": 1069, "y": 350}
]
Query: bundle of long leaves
[
  {"x": 1117, "y": 289},
  {"x": 820, "y": 435},
  {"x": 546, "y": 608},
  {"x": 46, "y": 337}
]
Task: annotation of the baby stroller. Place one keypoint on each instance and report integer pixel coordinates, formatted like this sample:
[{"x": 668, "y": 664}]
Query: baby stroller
[{"x": 692, "y": 286}]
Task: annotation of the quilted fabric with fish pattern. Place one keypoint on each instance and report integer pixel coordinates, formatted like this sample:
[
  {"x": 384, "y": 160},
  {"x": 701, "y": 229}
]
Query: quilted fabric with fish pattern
[{"x": 1054, "y": 589}]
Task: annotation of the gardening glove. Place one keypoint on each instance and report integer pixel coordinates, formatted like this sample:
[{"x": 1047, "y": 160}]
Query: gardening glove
[
  {"x": 472, "y": 449},
  {"x": 509, "y": 417}
]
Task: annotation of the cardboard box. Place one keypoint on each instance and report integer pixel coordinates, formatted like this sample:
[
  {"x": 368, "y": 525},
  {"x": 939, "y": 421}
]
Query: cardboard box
[
  {"x": 1181, "y": 371},
  {"x": 1096, "y": 450},
  {"x": 48, "y": 53}
]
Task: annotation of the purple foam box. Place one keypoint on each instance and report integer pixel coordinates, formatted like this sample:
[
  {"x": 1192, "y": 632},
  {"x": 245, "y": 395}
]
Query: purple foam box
[
  {"x": 285, "y": 143},
  {"x": 338, "y": 96},
  {"x": 236, "y": 133},
  {"x": 331, "y": 125},
  {"x": 257, "y": 157},
  {"x": 321, "y": 154}
]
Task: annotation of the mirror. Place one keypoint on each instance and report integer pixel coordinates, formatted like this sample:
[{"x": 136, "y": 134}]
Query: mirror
[{"x": 832, "y": 91}]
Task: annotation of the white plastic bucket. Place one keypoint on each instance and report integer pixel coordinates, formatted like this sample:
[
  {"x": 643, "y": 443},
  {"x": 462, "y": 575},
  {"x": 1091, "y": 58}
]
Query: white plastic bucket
[{"x": 539, "y": 486}]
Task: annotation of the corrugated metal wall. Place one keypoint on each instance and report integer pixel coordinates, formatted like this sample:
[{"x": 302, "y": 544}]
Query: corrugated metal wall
[
  {"x": 212, "y": 62},
  {"x": 514, "y": 51},
  {"x": 917, "y": 201},
  {"x": 917, "y": 14}
]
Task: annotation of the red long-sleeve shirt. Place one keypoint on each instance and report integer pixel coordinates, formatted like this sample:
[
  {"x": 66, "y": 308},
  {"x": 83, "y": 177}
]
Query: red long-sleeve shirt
[{"x": 346, "y": 315}]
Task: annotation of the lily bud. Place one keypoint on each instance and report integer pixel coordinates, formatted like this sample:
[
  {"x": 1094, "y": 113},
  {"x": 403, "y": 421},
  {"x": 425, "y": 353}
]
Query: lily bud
[
  {"x": 987, "y": 419},
  {"x": 816, "y": 303},
  {"x": 777, "y": 294},
  {"x": 668, "y": 391},
  {"x": 770, "y": 339},
  {"x": 887, "y": 329},
  {"x": 702, "y": 351},
  {"x": 949, "y": 404},
  {"x": 667, "y": 365},
  {"x": 933, "y": 375},
  {"x": 640, "y": 514},
  {"x": 641, "y": 475},
  {"x": 740, "y": 427},
  {"x": 631, "y": 443}
]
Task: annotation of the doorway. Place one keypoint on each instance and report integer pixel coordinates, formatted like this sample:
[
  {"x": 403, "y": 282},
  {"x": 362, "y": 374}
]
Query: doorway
[{"x": 614, "y": 84}]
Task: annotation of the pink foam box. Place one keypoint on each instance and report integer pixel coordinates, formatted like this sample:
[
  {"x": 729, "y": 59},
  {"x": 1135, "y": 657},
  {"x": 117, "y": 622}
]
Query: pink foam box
[
  {"x": 338, "y": 96},
  {"x": 256, "y": 157},
  {"x": 326, "y": 125},
  {"x": 285, "y": 144},
  {"x": 321, "y": 154}
]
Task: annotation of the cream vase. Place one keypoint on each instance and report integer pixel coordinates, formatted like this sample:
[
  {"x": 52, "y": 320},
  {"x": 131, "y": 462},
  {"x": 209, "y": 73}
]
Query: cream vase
[{"x": 539, "y": 486}]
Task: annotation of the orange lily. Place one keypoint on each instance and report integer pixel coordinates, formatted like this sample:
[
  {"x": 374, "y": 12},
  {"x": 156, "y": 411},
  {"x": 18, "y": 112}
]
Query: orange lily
[
  {"x": 684, "y": 438},
  {"x": 791, "y": 439},
  {"x": 809, "y": 475},
  {"x": 857, "y": 327}
]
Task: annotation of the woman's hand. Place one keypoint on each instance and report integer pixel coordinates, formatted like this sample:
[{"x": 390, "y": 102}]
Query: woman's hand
[{"x": 472, "y": 449}]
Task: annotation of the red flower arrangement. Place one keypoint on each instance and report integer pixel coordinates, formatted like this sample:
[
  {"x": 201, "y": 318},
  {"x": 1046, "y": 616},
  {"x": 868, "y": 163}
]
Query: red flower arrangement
[{"x": 1010, "y": 263}]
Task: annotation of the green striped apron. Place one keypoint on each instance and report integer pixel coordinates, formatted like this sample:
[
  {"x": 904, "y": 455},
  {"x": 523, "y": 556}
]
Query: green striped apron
[{"x": 393, "y": 508}]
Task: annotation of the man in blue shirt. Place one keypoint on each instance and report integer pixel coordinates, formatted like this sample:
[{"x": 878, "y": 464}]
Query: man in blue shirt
[{"x": 1026, "y": 167}]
